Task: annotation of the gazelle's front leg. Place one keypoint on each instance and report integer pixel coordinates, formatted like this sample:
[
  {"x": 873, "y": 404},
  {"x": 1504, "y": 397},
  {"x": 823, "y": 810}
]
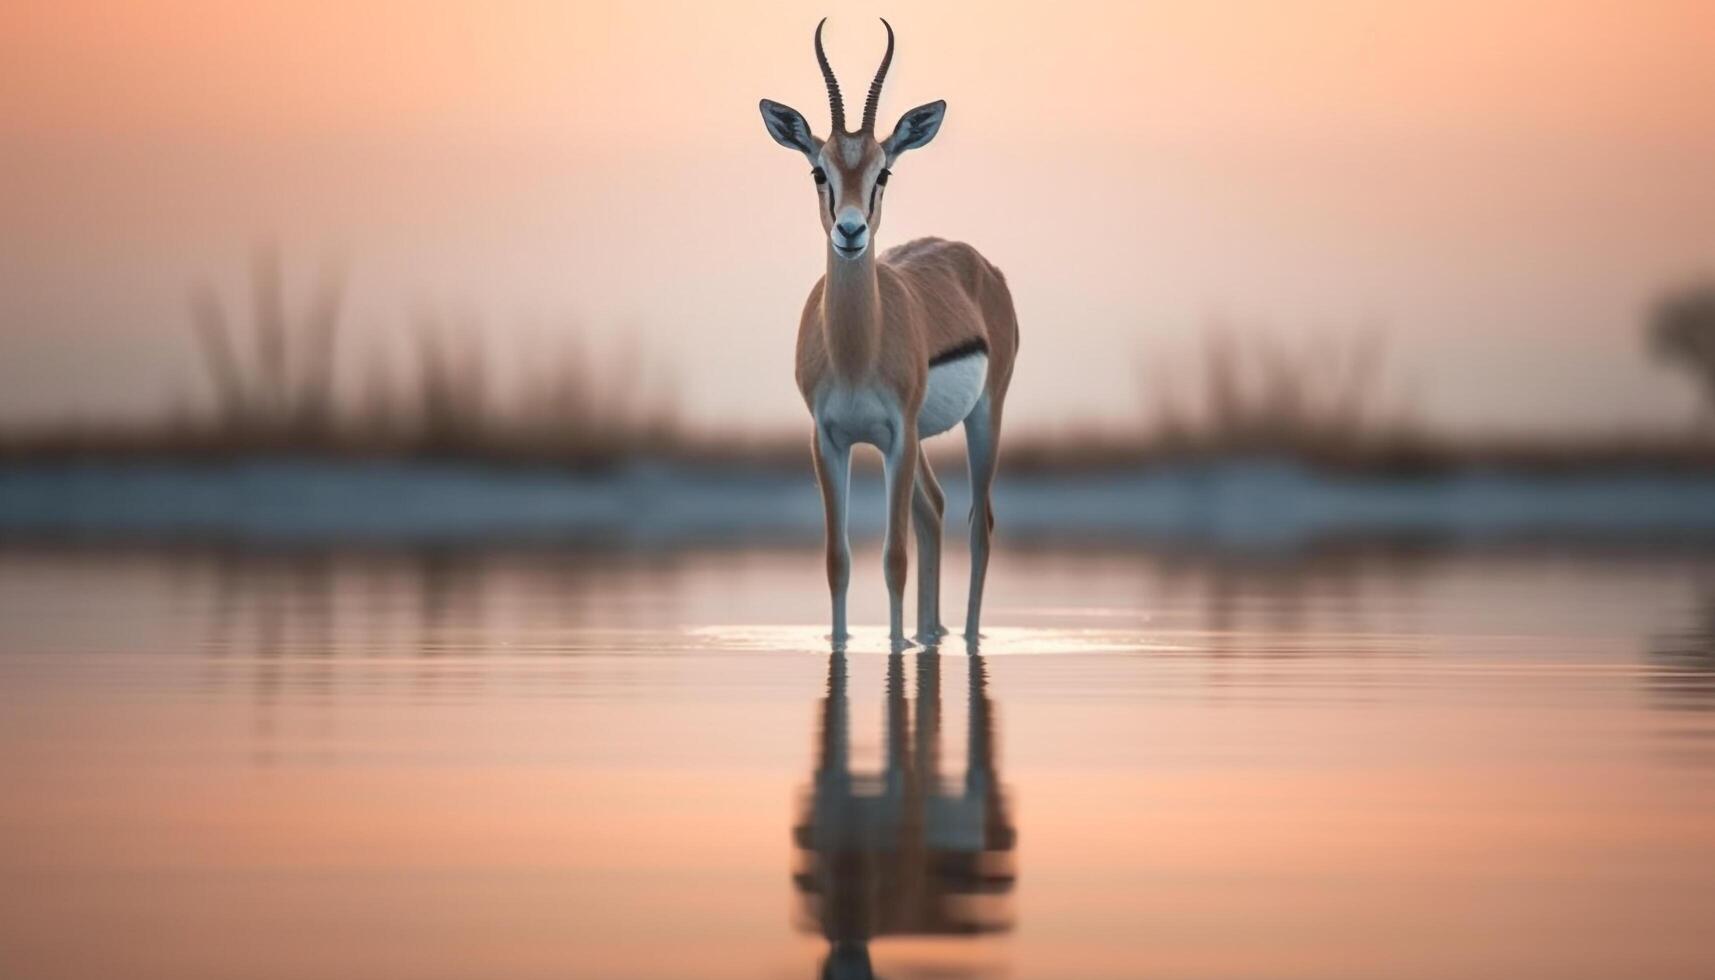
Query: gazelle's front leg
[
  {"x": 833, "y": 473},
  {"x": 901, "y": 464}
]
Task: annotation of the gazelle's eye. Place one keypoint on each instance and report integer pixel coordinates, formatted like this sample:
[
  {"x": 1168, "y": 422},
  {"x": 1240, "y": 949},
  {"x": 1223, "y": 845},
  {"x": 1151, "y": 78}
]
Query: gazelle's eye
[
  {"x": 881, "y": 178},
  {"x": 819, "y": 175}
]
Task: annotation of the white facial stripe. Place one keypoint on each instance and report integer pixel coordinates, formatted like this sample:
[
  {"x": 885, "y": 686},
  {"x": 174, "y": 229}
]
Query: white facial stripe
[
  {"x": 871, "y": 180},
  {"x": 838, "y": 157}
]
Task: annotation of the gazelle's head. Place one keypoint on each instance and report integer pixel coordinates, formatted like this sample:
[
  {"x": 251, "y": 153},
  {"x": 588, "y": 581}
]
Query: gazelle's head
[{"x": 850, "y": 169}]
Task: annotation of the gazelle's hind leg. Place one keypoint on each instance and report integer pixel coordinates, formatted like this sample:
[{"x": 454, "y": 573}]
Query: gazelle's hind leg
[
  {"x": 900, "y": 473},
  {"x": 982, "y": 447},
  {"x": 927, "y": 506}
]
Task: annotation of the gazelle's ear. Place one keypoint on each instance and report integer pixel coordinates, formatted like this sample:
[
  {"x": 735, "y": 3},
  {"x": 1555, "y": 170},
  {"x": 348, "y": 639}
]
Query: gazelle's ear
[
  {"x": 916, "y": 128},
  {"x": 789, "y": 129}
]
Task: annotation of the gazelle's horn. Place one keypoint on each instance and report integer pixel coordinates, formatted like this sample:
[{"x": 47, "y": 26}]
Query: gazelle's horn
[
  {"x": 836, "y": 105},
  {"x": 874, "y": 100}
]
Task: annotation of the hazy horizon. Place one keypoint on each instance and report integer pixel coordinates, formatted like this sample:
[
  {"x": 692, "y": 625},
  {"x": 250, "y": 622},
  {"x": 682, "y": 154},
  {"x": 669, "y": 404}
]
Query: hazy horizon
[{"x": 1500, "y": 188}]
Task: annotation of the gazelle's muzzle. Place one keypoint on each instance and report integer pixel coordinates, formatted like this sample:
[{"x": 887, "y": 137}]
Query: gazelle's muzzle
[{"x": 850, "y": 233}]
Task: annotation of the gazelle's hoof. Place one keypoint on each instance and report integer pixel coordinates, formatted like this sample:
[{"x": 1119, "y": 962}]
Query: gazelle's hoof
[
  {"x": 902, "y": 642},
  {"x": 837, "y": 641},
  {"x": 931, "y": 636}
]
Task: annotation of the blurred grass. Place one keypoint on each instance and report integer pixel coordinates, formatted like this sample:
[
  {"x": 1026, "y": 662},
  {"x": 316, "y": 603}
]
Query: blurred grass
[
  {"x": 1326, "y": 403},
  {"x": 275, "y": 392}
]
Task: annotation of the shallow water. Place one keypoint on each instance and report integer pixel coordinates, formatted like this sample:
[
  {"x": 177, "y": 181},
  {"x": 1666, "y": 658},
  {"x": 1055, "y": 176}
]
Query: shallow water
[{"x": 557, "y": 764}]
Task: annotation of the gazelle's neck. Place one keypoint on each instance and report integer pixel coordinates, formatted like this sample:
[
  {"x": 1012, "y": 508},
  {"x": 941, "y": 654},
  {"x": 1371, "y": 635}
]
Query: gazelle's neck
[{"x": 851, "y": 314}]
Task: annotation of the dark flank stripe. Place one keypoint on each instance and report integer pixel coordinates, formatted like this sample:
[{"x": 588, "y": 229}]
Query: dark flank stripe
[{"x": 976, "y": 345}]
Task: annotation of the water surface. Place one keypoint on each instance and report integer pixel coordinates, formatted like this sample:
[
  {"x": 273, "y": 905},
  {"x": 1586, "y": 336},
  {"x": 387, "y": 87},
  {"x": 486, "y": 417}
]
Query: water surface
[{"x": 464, "y": 764}]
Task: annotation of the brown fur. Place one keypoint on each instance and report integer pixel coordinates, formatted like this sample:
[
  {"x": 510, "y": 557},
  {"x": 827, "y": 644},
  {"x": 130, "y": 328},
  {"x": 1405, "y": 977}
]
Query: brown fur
[{"x": 868, "y": 320}]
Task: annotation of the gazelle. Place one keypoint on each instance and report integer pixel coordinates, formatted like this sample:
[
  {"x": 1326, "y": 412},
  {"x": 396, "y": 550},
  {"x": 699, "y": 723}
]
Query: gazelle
[{"x": 894, "y": 350}]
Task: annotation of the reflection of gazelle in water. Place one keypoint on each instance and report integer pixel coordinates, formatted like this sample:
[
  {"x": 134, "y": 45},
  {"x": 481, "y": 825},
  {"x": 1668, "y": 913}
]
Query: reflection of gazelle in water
[{"x": 898, "y": 853}]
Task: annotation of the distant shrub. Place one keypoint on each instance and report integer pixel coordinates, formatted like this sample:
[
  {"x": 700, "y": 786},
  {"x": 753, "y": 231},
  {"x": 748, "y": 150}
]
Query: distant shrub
[{"x": 1682, "y": 331}]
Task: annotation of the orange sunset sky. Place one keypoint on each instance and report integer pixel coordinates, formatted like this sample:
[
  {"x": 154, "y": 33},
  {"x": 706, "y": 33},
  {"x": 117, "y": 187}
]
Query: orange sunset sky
[{"x": 1502, "y": 186}]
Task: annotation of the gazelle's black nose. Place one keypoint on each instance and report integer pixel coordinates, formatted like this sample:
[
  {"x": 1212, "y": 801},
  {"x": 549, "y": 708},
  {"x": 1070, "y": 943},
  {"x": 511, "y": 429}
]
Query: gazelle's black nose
[{"x": 850, "y": 230}]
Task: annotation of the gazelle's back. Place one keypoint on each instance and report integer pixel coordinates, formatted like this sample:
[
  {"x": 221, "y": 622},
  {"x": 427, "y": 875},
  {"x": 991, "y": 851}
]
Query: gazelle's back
[
  {"x": 953, "y": 290},
  {"x": 964, "y": 297}
]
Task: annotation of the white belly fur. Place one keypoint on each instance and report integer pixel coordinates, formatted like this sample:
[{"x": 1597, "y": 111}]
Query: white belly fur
[{"x": 952, "y": 392}]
